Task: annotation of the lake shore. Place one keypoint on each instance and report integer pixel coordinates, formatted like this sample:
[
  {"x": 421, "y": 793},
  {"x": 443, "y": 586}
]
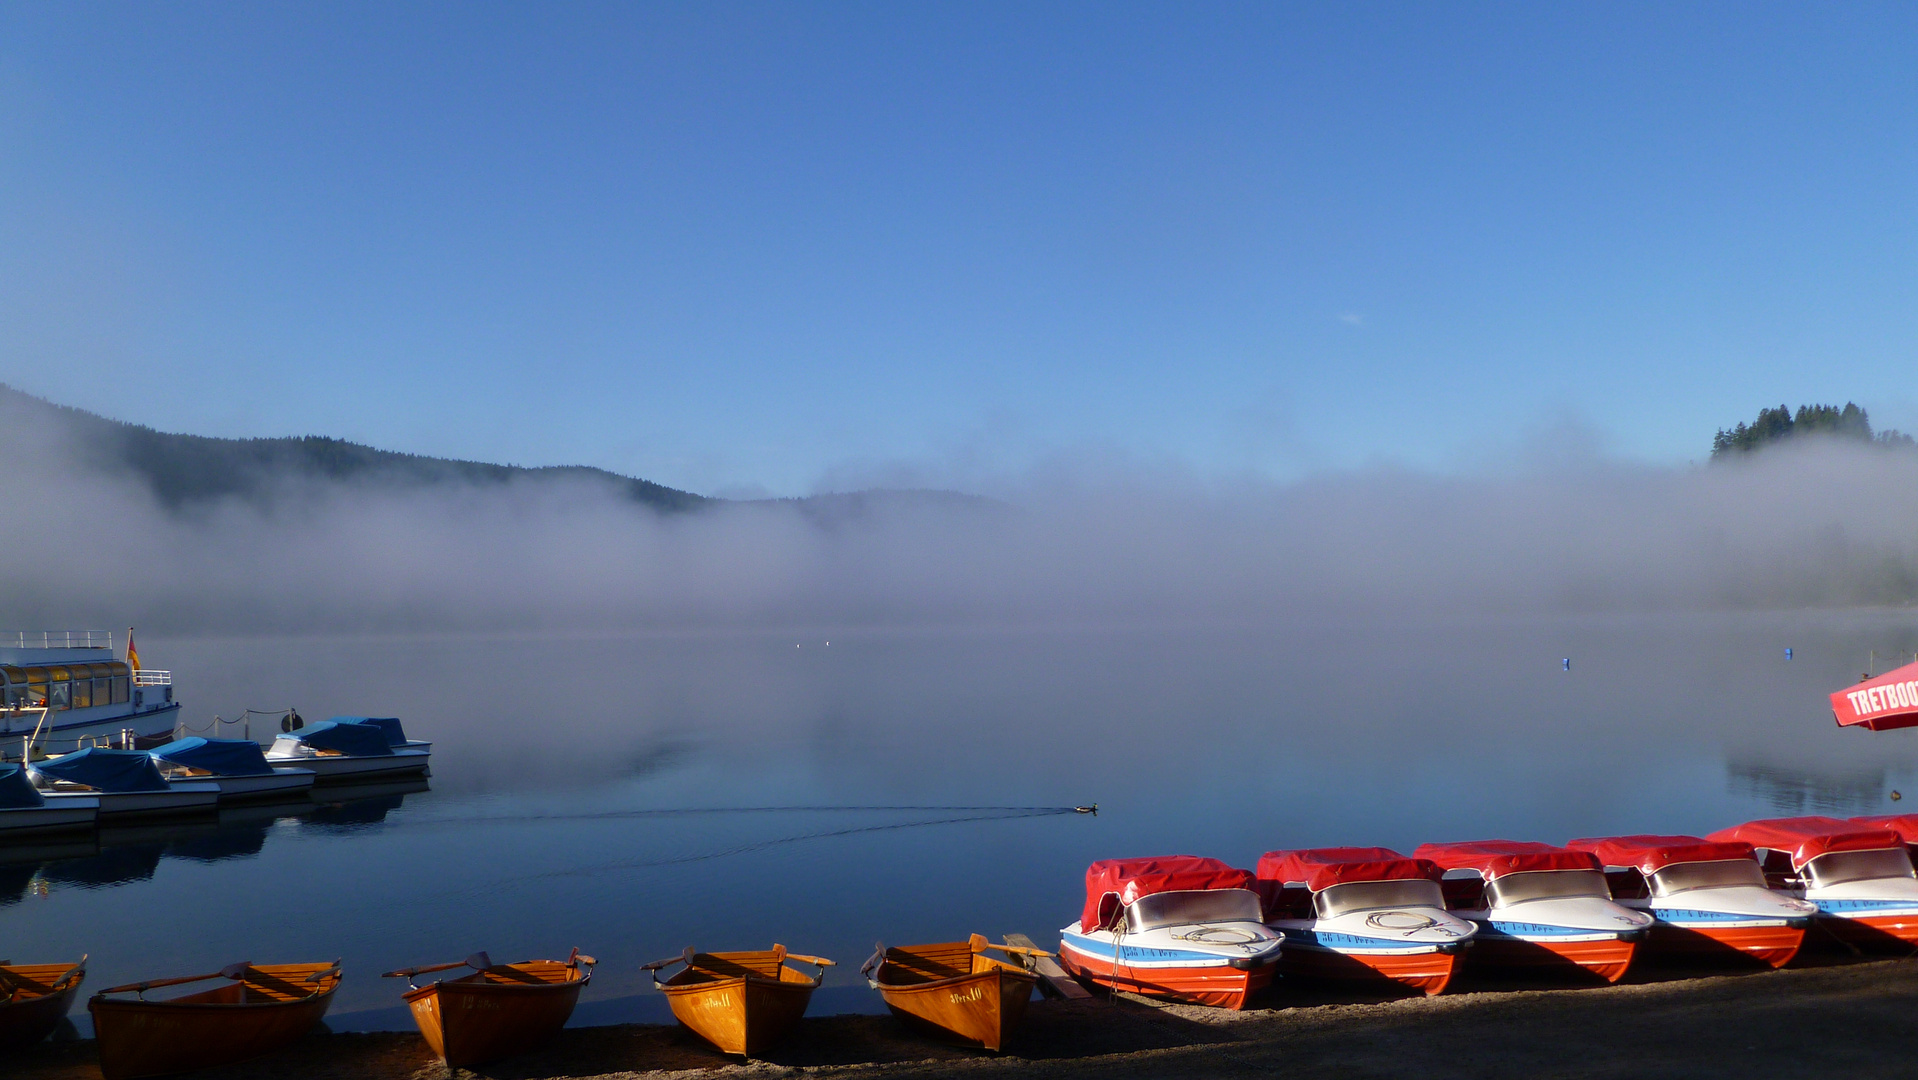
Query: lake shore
[{"x": 1852, "y": 1019}]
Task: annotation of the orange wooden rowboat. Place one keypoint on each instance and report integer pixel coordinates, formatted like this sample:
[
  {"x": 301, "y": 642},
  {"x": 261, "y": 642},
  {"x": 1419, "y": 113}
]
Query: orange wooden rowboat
[
  {"x": 955, "y": 989},
  {"x": 497, "y": 1011},
  {"x": 741, "y": 1002},
  {"x": 36, "y": 999},
  {"x": 263, "y": 1008}
]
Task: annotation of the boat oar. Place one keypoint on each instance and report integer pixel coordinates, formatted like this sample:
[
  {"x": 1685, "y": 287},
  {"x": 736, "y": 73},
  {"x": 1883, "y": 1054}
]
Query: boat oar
[
  {"x": 683, "y": 958},
  {"x": 231, "y": 971}
]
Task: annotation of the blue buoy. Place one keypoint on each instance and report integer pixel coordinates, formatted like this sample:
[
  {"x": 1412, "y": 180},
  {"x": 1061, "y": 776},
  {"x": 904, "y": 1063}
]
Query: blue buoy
[
  {"x": 1568, "y": 663},
  {"x": 1788, "y": 654}
]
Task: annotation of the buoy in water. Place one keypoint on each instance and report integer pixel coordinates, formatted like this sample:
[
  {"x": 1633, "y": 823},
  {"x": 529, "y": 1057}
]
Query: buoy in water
[
  {"x": 1568, "y": 663},
  {"x": 1895, "y": 796}
]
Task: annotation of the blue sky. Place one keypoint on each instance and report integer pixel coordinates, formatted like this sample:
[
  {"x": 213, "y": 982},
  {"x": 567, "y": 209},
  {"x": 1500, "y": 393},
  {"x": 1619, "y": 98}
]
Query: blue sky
[{"x": 742, "y": 248}]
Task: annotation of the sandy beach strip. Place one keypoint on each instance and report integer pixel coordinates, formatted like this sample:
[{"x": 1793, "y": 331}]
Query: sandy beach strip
[{"x": 1852, "y": 1020}]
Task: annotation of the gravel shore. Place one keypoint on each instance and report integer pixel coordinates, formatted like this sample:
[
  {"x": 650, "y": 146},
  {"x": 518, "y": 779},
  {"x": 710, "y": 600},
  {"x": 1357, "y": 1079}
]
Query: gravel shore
[{"x": 1852, "y": 1020}]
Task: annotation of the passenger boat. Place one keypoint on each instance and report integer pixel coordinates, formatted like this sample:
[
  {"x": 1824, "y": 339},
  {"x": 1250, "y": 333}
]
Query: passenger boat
[
  {"x": 37, "y": 999},
  {"x": 1176, "y": 926},
  {"x": 1710, "y": 899},
  {"x": 26, "y": 814},
  {"x": 345, "y": 750},
  {"x": 61, "y": 687},
  {"x": 126, "y": 784},
  {"x": 741, "y": 1002},
  {"x": 499, "y": 1010},
  {"x": 1363, "y": 914},
  {"x": 262, "y": 1008},
  {"x": 1860, "y": 877},
  {"x": 1905, "y": 825},
  {"x": 235, "y": 766},
  {"x": 1538, "y": 908},
  {"x": 955, "y": 988}
]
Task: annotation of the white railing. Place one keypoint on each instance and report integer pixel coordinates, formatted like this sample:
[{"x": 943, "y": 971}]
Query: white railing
[
  {"x": 57, "y": 639},
  {"x": 150, "y": 677}
]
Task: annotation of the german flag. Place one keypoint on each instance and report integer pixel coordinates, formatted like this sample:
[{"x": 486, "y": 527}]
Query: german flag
[{"x": 133, "y": 654}]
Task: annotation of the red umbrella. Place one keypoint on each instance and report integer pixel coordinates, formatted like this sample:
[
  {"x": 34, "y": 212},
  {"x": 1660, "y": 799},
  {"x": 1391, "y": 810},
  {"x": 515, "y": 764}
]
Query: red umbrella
[{"x": 1880, "y": 704}]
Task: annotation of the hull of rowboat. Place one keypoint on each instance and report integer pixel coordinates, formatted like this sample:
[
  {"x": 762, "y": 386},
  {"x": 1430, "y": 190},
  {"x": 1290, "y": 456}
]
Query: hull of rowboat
[
  {"x": 743, "y": 1015},
  {"x": 161, "y": 1038},
  {"x": 1218, "y": 985},
  {"x": 1772, "y": 946},
  {"x": 1606, "y": 959},
  {"x": 1427, "y": 972},
  {"x": 982, "y": 1009},
  {"x": 27, "y": 1019},
  {"x": 471, "y": 1023}
]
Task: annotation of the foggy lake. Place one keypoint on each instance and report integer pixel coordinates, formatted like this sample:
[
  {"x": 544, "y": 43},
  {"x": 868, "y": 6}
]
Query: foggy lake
[{"x": 634, "y": 793}]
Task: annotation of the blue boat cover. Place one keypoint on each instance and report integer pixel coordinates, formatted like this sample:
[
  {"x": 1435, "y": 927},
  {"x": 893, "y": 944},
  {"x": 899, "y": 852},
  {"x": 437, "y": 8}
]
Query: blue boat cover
[
  {"x": 221, "y": 757},
  {"x": 16, "y": 791},
  {"x": 106, "y": 770},
  {"x": 359, "y": 740},
  {"x": 388, "y": 724}
]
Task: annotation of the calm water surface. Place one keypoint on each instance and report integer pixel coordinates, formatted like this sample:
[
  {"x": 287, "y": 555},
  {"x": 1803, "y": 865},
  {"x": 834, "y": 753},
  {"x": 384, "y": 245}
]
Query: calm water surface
[{"x": 635, "y": 794}]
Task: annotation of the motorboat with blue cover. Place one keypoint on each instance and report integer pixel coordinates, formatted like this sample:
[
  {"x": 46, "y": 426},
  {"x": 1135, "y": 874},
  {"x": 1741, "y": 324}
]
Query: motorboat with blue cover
[
  {"x": 237, "y": 765},
  {"x": 25, "y": 812},
  {"x": 347, "y": 750},
  {"x": 390, "y": 725},
  {"x": 1175, "y": 926},
  {"x": 126, "y": 783}
]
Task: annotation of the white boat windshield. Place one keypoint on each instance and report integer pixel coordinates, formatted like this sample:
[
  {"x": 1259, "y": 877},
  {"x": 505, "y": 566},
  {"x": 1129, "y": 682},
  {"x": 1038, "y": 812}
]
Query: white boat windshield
[
  {"x": 1546, "y": 885},
  {"x": 1194, "y": 906},
  {"x": 1717, "y": 874},
  {"x": 1839, "y": 867},
  {"x": 1371, "y": 895}
]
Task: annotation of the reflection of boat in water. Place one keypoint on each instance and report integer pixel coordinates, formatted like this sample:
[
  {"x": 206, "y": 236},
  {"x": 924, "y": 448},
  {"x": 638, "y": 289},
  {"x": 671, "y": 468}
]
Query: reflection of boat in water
[
  {"x": 69, "y": 685},
  {"x": 1539, "y": 908},
  {"x": 955, "y": 988},
  {"x": 37, "y": 999},
  {"x": 1710, "y": 899},
  {"x": 1860, "y": 877},
  {"x": 26, "y": 814},
  {"x": 351, "y": 807},
  {"x": 1175, "y": 926},
  {"x": 261, "y": 1009},
  {"x": 343, "y": 750},
  {"x": 126, "y": 784},
  {"x": 1362, "y": 914},
  {"x": 236, "y": 766},
  {"x": 499, "y": 1010},
  {"x": 741, "y": 1002}
]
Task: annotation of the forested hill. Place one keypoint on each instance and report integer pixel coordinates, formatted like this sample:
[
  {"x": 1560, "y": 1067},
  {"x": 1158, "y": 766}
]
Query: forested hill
[
  {"x": 184, "y": 469},
  {"x": 1778, "y": 425}
]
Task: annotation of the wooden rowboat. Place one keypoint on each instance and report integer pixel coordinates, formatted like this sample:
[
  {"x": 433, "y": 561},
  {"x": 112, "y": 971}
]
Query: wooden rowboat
[
  {"x": 37, "y": 999},
  {"x": 955, "y": 989},
  {"x": 262, "y": 1009},
  {"x": 497, "y": 1011},
  {"x": 741, "y": 1002}
]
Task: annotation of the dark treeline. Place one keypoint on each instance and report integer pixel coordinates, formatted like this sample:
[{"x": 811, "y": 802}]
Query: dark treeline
[{"x": 1777, "y": 425}]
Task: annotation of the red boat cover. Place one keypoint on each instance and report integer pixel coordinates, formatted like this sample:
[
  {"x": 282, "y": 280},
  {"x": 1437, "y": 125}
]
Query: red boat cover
[
  {"x": 1880, "y": 704},
  {"x": 1497, "y": 858},
  {"x": 1809, "y": 837},
  {"x": 1322, "y": 868},
  {"x": 1650, "y": 854},
  {"x": 1129, "y": 879},
  {"x": 1905, "y": 825}
]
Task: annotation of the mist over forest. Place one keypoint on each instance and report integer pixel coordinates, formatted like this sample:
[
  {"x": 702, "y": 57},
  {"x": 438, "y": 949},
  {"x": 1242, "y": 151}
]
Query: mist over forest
[{"x": 1809, "y": 523}]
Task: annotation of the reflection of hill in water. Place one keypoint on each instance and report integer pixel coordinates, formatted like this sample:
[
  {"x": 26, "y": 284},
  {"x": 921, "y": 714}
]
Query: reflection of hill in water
[{"x": 1795, "y": 791}]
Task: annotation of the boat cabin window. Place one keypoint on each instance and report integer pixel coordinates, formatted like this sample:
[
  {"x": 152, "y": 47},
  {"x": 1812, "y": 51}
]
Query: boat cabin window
[
  {"x": 78, "y": 686},
  {"x": 1195, "y": 906},
  {"x": 1546, "y": 885},
  {"x": 1717, "y": 874},
  {"x": 1367, "y": 895},
  {"x": 60, "y": 695},
  {"x": 1838, "y": 867}
]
